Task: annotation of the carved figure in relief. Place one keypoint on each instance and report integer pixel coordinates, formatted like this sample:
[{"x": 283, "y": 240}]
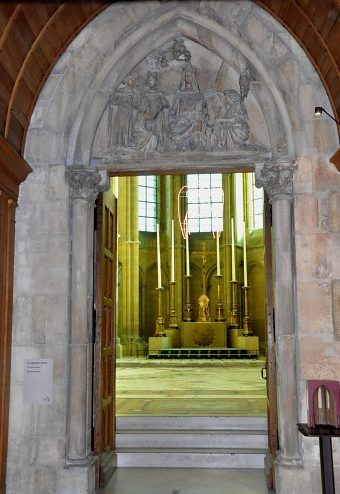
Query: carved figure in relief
[
  {"x": 231, "y": 129},
  {"x": 246, "y": 77},
  {"x": 203, "y": 308},
  {"x": 189, "y": 114},
  {"x": 141, "y": 123},
  {"x": 123, "y": 113},
  {"x": 151, "y": 127},
  {"x": 180, "y": 52}
]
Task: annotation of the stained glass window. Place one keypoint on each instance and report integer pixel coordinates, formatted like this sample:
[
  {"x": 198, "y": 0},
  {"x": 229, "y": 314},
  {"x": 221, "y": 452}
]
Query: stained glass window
[
  {"x": 205, "y": 203},
  {"x": 147, "y": 203}
]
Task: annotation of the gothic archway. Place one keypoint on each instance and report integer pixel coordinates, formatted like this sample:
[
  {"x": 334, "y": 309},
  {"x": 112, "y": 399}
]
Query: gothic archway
[{"x": 89, "y": 73}]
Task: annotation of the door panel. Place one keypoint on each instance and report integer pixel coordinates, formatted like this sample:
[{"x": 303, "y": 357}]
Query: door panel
[
  {"x": 104, "y": 348},
  {"x": 270, "y": 357}
]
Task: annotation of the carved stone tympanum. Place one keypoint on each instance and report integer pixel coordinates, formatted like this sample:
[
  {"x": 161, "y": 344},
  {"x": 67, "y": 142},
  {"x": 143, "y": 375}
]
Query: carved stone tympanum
[{"x": 170, "y": 105}]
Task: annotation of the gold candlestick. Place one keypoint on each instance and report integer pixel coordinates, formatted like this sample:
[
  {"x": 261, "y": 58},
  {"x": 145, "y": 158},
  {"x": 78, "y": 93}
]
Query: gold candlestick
[
  {"x": 160, "y": 319},
  {"x": 219, "y": 305},
  {"x": 172, "y": 312},
  {"x": 234, "y": 311},
  {"x": 246, "y": 318},
  {"x": 187, "y": 308}
]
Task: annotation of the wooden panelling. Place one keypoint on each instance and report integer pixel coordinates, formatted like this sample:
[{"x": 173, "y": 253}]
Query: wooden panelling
[
  {"x": 105, "y": 333},
  {"x": 7, "y": 208},
  {"x": 6, "y": 12}
]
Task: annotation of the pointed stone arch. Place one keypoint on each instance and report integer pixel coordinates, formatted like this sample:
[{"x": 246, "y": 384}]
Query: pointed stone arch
[{"x": 61, "y": 136}]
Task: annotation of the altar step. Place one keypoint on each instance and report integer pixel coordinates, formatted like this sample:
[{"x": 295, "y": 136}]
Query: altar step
[
  {"x": 203, "y": 353},
  {"x": 193, "y": 442}
]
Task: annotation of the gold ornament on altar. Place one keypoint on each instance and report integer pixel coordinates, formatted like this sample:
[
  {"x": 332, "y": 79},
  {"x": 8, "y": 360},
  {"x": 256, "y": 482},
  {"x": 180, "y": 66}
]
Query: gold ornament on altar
[
  {"x": 203, "y": 308},
  {"x": 204, "y": 336}
]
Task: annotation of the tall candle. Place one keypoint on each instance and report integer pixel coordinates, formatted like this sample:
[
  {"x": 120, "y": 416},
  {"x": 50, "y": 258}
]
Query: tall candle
[
  {"x": 245, "y": 274},
  {"x": 187, "y": 252},
  {"x": 159, "y": 260},
  {"x": 172, "y": 251},
  {"x": 218, "y": 253},
  {"x": 233, "y": 277}
]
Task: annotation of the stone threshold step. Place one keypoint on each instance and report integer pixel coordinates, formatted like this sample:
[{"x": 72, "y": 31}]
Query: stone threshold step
[
  {"x": 232, "y": 432},
  {"x": 191, "y": 459},
  {"x": 190, "y": 441},
  {"x": 157, "y": 356},
  {"x": 191, "y": 423},
  {"x": 211, "y": 363},
  {"x": 193, "y": 451}
]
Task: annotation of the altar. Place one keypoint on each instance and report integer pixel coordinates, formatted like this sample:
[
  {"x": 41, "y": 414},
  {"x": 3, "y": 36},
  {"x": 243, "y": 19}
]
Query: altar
[
  {"x": 204, "y": 334},
  {"x": 188, "y": 338}
]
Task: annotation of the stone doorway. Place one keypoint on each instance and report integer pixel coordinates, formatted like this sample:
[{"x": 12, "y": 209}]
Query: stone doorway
[
  {"x": 131, "y": 409},
  {"x": 52, "y": 289}
]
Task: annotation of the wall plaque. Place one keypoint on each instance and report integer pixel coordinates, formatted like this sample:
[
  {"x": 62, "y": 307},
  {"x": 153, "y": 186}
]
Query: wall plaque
[{"x": 38, "y": 381}]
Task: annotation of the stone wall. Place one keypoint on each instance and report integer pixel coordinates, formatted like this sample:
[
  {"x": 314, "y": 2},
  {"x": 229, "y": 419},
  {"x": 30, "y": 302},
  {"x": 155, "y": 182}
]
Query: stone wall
[
  {"x": 317, "y": 236},
  {"x": 40, "y": 329}
]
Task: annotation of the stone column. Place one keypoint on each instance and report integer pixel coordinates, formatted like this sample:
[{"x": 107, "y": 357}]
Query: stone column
[
  {"x": 277, "y": 180},
  {"x": 84, "y": 185},
  {"x": 128, "y": 254}
]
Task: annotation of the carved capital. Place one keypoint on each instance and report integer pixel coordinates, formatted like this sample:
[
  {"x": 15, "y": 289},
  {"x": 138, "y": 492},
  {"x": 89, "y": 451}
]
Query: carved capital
[
  {"x": 84, "y": 182},
  {"x": 275, "y": 178}
]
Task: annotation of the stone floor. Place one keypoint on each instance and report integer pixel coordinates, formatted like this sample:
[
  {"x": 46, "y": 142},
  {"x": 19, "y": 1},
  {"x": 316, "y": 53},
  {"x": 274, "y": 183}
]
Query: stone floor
[
  {"x": 184, "y": 388},
  {"x": 186, "y": 481},
  {"x": 178, "y": 388}
]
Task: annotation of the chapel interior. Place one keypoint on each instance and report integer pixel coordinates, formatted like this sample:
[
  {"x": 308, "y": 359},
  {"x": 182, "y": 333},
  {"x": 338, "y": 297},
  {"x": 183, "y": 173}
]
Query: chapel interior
[{"x": 206, "y": 205}]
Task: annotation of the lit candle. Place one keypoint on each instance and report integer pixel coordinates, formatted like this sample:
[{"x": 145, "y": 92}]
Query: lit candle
[
  {"x": 187, "y": 252},
  {"x": 172, "y": 252},
  {"x": 233, "y": 278},
  {"x": 245, "y": 274},
  {"x": 159, "y": 259},
  {"x": 218, "y": 253}
]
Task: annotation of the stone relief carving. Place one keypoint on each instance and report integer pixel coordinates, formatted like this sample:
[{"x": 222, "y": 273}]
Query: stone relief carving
[
  {"x": 164, "y": 110},
  {"x": 180, "y": 51},
  {"x": 275, "y": 178},
  {"x": 84, "y": 183}
]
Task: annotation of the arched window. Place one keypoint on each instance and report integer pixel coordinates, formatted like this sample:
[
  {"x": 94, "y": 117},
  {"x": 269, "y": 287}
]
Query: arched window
[
  {"x": 205, "y": 203},
  {"x": 147, "y": 203}
]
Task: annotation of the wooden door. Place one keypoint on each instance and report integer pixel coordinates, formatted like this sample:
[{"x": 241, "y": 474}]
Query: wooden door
[
  {"x": 7, "y": 210},
  {"x": 104, "y": 348},
  {"x": 270, "y": 369}
]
